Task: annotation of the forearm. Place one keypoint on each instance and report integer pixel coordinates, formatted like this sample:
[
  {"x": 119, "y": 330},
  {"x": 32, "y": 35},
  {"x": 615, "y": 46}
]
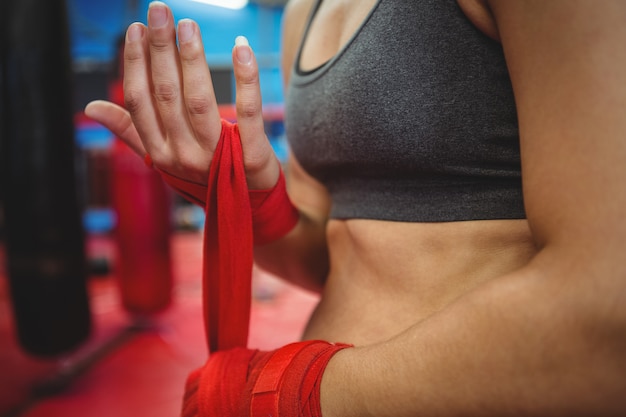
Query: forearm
[
  {"x": 541, "y": 341},
  {"x": 300, "y": 257}
]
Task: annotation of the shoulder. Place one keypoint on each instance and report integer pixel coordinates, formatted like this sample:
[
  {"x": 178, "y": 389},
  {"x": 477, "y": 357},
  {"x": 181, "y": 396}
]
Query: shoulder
[
  {"x": 295, "y": 17},
  {"x": 301, "y": 8},
  {"x": 567, "y": 63},
  {"x": 294, "y": 21}
]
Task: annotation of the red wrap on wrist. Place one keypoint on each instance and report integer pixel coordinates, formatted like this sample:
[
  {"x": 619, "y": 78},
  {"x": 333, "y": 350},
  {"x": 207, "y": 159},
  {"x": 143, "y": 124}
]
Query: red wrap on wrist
[
  {"x": 237, "y": 381},
  {"x": 248, "y": 383},
  {"x": 273, "y": 214},
  {"x": 192, "y": 191}
]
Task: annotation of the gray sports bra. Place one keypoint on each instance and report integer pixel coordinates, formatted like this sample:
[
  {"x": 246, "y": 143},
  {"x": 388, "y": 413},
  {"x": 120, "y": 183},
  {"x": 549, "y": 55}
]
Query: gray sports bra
[{"x": 413, "y": 120}]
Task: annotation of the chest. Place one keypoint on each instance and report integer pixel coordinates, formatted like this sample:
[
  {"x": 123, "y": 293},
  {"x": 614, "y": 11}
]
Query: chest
[
  {"x": 417, "y": 91},
  {"x": 334, "y": 23}
]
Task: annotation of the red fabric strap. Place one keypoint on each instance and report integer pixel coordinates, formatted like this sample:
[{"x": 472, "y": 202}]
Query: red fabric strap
[
  {"x": 236, "y": 218},
  {"x": 227, "y": 264},
  {"x": 273, "y": 214},
  {"x": 249, "y": 383},
  {"x": 237, "y": 381},
  {"x": 194, "y": 192},
  {"x": 289, "y": 383}
]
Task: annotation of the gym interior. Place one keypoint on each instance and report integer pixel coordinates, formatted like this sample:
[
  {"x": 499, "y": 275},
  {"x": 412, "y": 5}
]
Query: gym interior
[{"x": 101, "y": 302}]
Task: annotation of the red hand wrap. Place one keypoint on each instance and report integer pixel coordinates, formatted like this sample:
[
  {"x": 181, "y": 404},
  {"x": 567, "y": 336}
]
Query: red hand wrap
[
  {"x": 248, "y": 383},
  {"x": 273, "y": 214},
  {"x": 236, "y": 381}
]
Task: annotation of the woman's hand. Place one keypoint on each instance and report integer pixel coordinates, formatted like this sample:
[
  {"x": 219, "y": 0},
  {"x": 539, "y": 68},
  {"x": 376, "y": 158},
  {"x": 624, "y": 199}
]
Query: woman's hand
[{"x": 172, "y": 111}]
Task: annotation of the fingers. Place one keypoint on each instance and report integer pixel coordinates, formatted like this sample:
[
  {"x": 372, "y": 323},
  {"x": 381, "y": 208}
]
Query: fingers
[
  {"x": 199, "y": 101},
  {"x": 248, "y": 99},
  {"x": 261, "y": 165},
  {"x": 170, "y": 98},
  {"x": 137, "y": 89},
  {"x": 169, "y": 93},
  {"x": 118, "y": 121},
  {"x": 166, "y": 74}
]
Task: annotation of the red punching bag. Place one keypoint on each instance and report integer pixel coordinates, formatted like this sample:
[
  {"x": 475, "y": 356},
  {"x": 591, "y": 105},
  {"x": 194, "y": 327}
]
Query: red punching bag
[{"x": 142, "y": 205}]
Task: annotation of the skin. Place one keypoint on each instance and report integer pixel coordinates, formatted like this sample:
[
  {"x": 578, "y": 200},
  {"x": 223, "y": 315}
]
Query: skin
[{"x": 524, "y": 317}]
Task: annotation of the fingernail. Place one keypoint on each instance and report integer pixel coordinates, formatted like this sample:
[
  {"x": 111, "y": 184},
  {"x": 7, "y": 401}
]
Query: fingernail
[
  {"x": 186, "y": 30},
  {"x": 157, "y": 14},
  {"x": 135, "y": 32},
  {"x": 242, "y": 50},
  {"x": 241, "y": 41}
]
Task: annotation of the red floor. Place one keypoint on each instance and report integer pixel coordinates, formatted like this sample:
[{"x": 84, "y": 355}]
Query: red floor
[{"x": 143, "y": 373}]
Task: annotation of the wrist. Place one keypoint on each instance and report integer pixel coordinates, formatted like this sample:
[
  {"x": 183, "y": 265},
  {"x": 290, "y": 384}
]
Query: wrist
[
  {"x": 244, "y": 382},
  {"x": 273, "y": 213}
]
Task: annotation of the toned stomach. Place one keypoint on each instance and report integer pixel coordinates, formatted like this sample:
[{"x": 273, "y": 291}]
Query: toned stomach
[{"x": 386, "y": 276}]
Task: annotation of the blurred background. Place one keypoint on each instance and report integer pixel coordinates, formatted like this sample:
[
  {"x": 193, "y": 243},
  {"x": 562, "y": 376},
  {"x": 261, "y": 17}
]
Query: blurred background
[{"x": 100, "y": 262}]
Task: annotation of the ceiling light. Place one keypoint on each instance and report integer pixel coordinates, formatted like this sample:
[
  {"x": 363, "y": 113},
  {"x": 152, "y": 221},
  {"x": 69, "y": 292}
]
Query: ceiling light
[{"x": 228, "y": 4}]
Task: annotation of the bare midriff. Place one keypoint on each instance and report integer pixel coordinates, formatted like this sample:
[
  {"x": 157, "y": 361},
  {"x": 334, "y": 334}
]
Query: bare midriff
[{"x": 387, "y": 276}]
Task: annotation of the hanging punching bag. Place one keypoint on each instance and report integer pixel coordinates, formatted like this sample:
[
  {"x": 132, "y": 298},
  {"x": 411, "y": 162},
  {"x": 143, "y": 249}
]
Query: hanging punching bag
[
  {"x": 46, "y": 263},
  {"x": 142, "y": 204}
]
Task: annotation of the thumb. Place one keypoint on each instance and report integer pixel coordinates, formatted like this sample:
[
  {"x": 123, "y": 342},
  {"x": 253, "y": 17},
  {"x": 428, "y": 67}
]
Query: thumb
[
  {"x": 262, "y": 167},
  {"x": 118, "y": 121}
]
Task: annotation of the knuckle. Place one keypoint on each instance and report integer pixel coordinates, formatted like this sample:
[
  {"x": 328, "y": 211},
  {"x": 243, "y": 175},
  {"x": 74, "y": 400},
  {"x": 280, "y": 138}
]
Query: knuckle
[
  {"x": 160, "y": 46},
  {"x": 198, "y": 105},
  {"x": 133, "y": 100},
  {"x": 247, "y": 108},
  {"x": 249, "y": 80},
  {"x": 254, "y": 166},
  {"x": 133, "y": 55},
  {"x": 257, "y": 161},
  {"x": 165, "y": 92},
  {"x": 192, "y": 55},
  {"x": 161, "y": 157}
]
